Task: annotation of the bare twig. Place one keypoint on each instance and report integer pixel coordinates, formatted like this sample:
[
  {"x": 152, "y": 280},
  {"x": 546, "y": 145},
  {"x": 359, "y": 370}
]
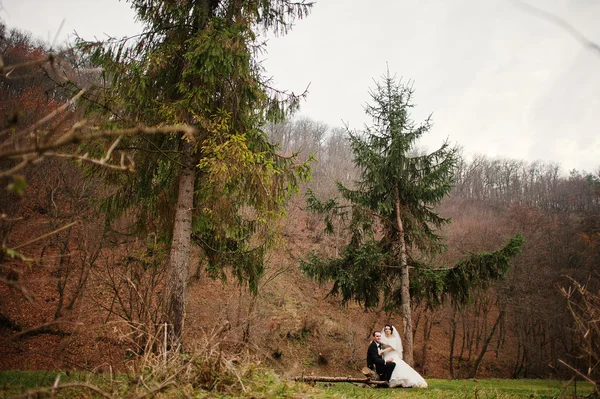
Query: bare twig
[
  {"x": 101, "y": 162},
  {"x": 26, "y": 161},
  {"x": 16, "y": 285},
  {"x": 111, "y": 149},
  {"x": 559, "y": 22},
  {"x": 6, "y": 70},
  {"x": 4, "y": 217},
  {"x": 579, "y": 373},
  {"x": 239, "y": 379},
  {"x": 158, "y": 388},
  {"x": 45, "y": 119},
  {"x": 584, "y": 306},
  {"x": 75, "y": 135},
  {"x": 45, "y": 235}
]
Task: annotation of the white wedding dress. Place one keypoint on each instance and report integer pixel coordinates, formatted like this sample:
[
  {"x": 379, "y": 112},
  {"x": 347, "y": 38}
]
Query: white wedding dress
[{"x": 403, "y": 375}]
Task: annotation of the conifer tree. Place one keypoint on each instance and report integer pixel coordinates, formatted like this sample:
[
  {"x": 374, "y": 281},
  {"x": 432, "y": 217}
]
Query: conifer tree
[
  {"x": 196, "y": 64},
  {"x": 393, "y": 224}
]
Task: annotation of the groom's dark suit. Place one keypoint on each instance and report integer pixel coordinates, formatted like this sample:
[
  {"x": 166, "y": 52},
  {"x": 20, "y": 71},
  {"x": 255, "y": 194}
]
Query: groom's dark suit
[{"x": 376, "y": 362}]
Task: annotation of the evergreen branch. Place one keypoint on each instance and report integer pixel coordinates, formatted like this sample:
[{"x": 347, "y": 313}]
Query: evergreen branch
[
  {"x": 201, "y": 241},
  {"x": 160, "y": 151},
  {"x": 113, "y": 41}
]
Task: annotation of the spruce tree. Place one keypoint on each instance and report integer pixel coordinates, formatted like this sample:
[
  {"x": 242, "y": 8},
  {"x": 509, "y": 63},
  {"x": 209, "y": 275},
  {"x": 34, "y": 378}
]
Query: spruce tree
[
  {"x": 196, "y": 64},
  {"x": 393, "y": 224}
]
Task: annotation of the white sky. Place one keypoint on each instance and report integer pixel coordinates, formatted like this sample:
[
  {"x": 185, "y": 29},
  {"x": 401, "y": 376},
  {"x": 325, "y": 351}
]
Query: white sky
[{"x": 498, "y": 80}]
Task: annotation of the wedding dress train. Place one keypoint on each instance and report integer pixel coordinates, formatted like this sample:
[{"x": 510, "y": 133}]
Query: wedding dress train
[{"x": 403, "y": 375}]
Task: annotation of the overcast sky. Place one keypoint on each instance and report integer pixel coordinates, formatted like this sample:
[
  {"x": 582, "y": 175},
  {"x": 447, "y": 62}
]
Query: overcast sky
[{"x": 498, "y": 80}]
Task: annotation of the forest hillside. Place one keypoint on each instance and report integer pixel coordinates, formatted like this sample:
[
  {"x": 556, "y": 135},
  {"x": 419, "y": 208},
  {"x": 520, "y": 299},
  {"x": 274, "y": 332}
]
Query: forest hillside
[
  {"x": 88, "y": 294},
  {"x": 94, "y": 276}
]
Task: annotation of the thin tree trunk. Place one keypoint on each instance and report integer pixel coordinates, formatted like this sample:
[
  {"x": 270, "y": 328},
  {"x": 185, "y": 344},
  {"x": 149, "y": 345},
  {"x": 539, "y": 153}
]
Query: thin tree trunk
[
  {"x": 427, "y": 326},
  {"x": 180, "y": 247},
  {"x": 465, "y": 334},
  {"x": 405, "y": 288},
  {"x": 452, "y": 340},
  {"x": 486, "y": 343},
  {"x": 501, "y": 337},
  {"x": 86, "y": 266},
  {"x": 64, "y": 270},
  {"x": 517, "y": 368}
]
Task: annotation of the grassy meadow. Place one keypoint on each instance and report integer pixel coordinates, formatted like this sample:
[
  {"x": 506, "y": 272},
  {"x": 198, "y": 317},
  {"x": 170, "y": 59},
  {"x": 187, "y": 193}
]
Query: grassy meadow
[
  {"x": 264, "y": 384},
  {"x": 477, "y": 389}
]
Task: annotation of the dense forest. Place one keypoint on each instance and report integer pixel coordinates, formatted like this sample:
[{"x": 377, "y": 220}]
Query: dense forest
[{"x": 154, "y": 205}]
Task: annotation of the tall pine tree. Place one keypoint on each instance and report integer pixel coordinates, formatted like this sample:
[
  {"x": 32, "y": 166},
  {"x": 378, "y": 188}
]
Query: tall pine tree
[
  {"x": 196, "y": 64},
  {"x": 393, "y": 222}
]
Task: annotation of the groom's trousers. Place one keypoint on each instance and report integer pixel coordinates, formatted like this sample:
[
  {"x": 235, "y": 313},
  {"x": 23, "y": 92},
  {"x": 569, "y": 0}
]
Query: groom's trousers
[{"x": 385, "y": 371}]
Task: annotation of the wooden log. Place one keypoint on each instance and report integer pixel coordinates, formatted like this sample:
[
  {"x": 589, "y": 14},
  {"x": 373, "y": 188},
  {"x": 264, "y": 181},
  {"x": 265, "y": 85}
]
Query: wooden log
[{"x": 317, "y": 378}]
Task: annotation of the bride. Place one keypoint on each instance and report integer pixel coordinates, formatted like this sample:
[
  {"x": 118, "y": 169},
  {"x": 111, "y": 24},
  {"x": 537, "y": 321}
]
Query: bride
[{"x": 403, "y": 375}]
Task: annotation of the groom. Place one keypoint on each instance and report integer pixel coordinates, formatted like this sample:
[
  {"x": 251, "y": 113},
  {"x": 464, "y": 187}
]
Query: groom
[{"x": 376, "y": 362}]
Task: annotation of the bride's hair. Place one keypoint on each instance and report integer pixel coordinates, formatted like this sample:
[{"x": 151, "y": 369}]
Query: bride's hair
[{"x": 391, "y": 328}]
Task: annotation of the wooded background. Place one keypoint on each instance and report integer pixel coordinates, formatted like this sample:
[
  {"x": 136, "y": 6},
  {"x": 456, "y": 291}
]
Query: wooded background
[{"x": 82, "y": 288}]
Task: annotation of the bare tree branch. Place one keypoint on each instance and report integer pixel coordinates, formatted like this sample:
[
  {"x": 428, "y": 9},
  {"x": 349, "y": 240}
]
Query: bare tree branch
[
  {"x": 45, "y": 119},
  {"x": 559, "y": 22},
  {"x": 16, "y": 285},
  {"x": 45, "y": 235},
  {"x": 76, "y": 135},
  {"x": 122, "y": 167},
  {"x": 579, "y": 373}
]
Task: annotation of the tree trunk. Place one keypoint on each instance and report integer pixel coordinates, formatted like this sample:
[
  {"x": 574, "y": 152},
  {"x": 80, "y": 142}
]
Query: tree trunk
[
  {"x": 453, "y": 323},
  {"x": 180, "y": 247},
  {"x": 427, "y": 326},
  {"x": 64, "y": 270},
  {"x": 316, "y": 378},
  {"x": 405, "y": 288},
  {"x": 486, "y": 344}
]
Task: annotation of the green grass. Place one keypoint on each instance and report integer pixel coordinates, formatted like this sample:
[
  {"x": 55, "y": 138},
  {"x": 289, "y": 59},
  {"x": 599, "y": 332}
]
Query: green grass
[
  {"x": 476, "y": 389},
  {"x": 264, "y": 384},
  {"x": 28, "y": 379},
  {"x": 14, "y": 382}
]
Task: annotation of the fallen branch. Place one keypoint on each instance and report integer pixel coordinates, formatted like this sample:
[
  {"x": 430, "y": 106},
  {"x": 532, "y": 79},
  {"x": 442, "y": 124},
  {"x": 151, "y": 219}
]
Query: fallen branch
[
  {"x": 43, "y": 329},
  {"x": 316, "y": 378}
]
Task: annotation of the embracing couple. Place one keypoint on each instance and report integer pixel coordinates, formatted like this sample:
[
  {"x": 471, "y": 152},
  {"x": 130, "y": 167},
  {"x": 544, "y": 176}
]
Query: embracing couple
[{"x": 385, "y": 357}]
